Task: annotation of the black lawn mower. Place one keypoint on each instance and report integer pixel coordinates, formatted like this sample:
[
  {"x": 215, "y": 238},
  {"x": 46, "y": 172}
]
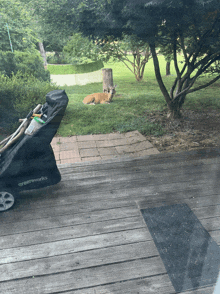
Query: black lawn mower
[{"x": 26, "y": 157}]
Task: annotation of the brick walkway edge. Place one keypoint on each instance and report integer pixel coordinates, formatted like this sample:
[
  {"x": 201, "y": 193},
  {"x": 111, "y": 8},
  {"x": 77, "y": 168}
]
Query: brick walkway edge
[{"x": 100, "y": 147}]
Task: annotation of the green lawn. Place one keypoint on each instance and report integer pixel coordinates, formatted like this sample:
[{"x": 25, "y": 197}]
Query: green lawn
[{"x": 130, "y": 106}]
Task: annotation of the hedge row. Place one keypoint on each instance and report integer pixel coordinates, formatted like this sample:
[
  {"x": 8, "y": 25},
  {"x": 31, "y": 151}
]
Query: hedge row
[
  {"x": 18, "y": 95},
  {"x": 30, "y": 63},
  {"x": 64, "y": 69}
]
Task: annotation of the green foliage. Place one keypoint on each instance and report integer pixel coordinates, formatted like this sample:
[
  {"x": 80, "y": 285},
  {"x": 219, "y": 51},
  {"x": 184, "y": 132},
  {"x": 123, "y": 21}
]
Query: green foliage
[
  {"x": 126, "y": 112},
  {"x": 57, "y": 58},
  {"x": 55, "y": 21},
  {"x": 192, "y": 26},
  {"x": 17, "y": 19},
  {"x": 29, "y": 63},
  {"x": 18, "y": 95},
  {"x": 122, "y": 49},
  {"x": 81, "y": 49},
  {"x": 167, "y": 51},
  {"x": 131, "y": 104},
  {"x": 75, "y": 69}
]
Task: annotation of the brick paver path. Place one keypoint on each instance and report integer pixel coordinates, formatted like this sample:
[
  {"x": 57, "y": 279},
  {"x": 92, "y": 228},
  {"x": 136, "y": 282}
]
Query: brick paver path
[{"x": 98, "y": 147}]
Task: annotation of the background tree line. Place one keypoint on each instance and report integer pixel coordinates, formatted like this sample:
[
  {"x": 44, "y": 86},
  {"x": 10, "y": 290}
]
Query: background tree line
[{"x": 143, "y": 28}]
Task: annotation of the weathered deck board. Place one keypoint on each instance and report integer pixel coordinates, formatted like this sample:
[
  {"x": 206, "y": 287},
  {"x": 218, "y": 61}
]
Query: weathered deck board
[
  {"x": 70, "y": 232},
  {"x": 169, "y": 159},
  {"x": 141, "y": 168},
  {"x": 68, "y": 220},
  {"x": 86, "y": 235},
  {"x": 159, "y": 284},
  {"x": 113, "y": 190},
  {"x": 78, "y": 260},
  {"x": 124, "y": 197},
  {"x": 87, "y": 277},
  {"x": 153, "y": 285},
  {"x": 182, "y": 174},
  {"x": 127, "y": 208},
  {"x": 73, "y": 245}
]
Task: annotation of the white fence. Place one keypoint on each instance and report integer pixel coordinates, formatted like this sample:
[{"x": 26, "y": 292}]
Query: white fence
[{"x": 77, "y": 79}]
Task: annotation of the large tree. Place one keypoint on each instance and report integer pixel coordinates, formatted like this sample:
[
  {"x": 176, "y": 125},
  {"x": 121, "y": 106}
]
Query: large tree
[
  {"x": 16, "y": 30},
  {"x": 50, "y": 24},
  {"x": 129, "y": 49},
  {"x": 192, "y": 26},
  {"x": 55, "y": 21}
]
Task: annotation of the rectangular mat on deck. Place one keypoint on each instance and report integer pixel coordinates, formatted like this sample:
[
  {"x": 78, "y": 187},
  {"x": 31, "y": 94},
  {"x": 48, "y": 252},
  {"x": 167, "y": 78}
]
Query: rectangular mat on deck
[{"x": 190, "y": 255}]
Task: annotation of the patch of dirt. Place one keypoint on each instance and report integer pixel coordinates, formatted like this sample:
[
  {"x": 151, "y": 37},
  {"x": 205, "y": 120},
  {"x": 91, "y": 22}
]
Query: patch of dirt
[{"x": 195, "y": 130}]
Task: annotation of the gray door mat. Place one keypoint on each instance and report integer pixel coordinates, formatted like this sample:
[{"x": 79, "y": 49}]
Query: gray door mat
[{"x": 190, "y": 255}]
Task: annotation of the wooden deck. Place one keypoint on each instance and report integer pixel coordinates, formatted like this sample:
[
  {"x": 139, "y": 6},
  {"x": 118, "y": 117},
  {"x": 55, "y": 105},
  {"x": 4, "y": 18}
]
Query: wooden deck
[{"x": 86, "y": 235}]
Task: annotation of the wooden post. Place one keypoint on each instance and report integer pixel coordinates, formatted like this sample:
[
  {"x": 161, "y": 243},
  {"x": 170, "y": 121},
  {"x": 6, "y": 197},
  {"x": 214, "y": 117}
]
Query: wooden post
[
  {"x": 107, "y": 79},
  {"x": 168, "y": 68}
]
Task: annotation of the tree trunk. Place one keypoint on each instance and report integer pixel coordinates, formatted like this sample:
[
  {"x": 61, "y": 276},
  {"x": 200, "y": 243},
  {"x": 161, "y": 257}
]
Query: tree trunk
[
  {"x": 43, "y": 53},
  {"x": 174, "y": 112},
  {"x": 175, "y": 107},
  {"x": 168, "y": 68},
  {"x": 138, "y": 76},
  {"x": 137, "y": 66},
  {"x": 107, "y": 79},
  {"x": 158, "y": 74}
]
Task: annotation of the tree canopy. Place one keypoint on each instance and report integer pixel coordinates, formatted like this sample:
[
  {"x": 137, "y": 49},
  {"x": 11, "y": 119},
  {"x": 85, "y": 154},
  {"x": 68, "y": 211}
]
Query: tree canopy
[
  {"x": 192, "y": 26},
  {"x": 189, "y": 26},
  {"x": 55, "y": 21},
  {"x": 15, "y": 27}
]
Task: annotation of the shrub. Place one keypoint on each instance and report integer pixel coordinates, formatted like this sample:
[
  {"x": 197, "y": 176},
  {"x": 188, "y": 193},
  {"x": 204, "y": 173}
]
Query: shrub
[
  {"x": 25, "y": 62},
  {"x": 81, "y": 49},
  {"x": 58, "y": 58},
  {"x": 18, "y": 95},
  {"x": 75, "y": 69}
]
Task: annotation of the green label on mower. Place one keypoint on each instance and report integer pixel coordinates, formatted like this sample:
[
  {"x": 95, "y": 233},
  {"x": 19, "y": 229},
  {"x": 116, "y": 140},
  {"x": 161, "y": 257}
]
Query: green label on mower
[{"x": 32, "y": 181}]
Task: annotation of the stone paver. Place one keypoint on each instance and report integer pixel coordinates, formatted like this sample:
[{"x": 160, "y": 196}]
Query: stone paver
[
  {"x": 100, "y": 137},
  {"x": 56, "y": 148},
  {"x": 94, "y": 158},
  {"x": 69, "y": 154},
  {"x": 107, "y": 157},
  {"x": 89, "y": 152},
  {"x": 107, "y": 151},
  {"x": 56, "y": 140},
  {"x": 115, "y": 136},
  {"x": 101, "y": 147},
  {"x": 68, "y": 146},
  {"x": 106, "y": 143},
  {"x": 142, "y": 146},
  {"x": 67, "y": 139},
  {"x": 146, "y": 152},
  {"x": 125, "y": 149},
  {"x": 86, "y": 144},
  {"x": 120, "y": 142},
  {"x": 135, "y": 139},
  {"x": 70, "y": 160},
  {"x": 84, "y": 138}
]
